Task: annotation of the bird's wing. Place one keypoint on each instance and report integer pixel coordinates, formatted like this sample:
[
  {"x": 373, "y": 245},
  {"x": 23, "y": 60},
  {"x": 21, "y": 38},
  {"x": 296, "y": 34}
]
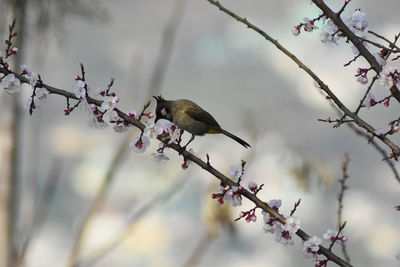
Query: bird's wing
[{"x": 200, "y": 114}]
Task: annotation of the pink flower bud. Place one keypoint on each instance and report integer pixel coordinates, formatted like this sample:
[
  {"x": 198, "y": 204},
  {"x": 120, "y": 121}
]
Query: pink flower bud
[{"x": 296, "y": 30}]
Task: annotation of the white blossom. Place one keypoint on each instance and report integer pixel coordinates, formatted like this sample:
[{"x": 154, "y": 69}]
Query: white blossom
[
  {"x": 79, "y": 89},
  {"x": 292, "y": 224},
  {"x": 272, "y": 227},
  {"x": 93, "y": 122},
  {"x": 296, "y": 31},
  {"x": 159, "y": 156},
  {"x": 329, "y": 34},
  {"x": 363, "y": 79},
  {"x": 332, "y": 234},
  {"x": 140, "y": 144},
  {"x": 175, "y": 136},
  {"x": 236, "y": 171},
  {"x": 369, "y": 100},
  {"x": 120, "y": 128},
  {"x": 275, "y": 203},
  {"x": 113, "y": 116},
  {"x": 109, "y": 102},
  {"x": 284, "y": 237},
  {"x": 233, "y": 196},
  {"x": 166, "y": 126},
  {"x": 42, "y": 95},
  {"x": 309, "y": 25},
  {"x": 311, "y": 247},
  {"x": 386, "y": 76},
  {"x": 30, "y": 75},
  {"x": 133, "y": 114},
  {"x": 266, "y": 216},
  {"x": 152, "y": 130},
  {"x": 11, "y": 84},
  {"x": 25, "y": 68},
  {"x": 101, "y": 91},
  {"x": 252, "y": 186},
  {"x": 357, "y": 23},
  {"x": 329, "y": 234}
]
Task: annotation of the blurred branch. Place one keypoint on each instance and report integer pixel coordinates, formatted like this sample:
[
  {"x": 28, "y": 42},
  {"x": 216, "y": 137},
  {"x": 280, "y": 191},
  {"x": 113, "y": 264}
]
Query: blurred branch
[
  {"x": 42, "y": 208},
  {"x": 200, "y": 250},
  {"x": 98, "y": 201},
  {"x": 343, "y": 187},
  {"x": 388, "y": 161},
  {"x": 125, "y": 233},
  {"x": 166, "y": 47}
]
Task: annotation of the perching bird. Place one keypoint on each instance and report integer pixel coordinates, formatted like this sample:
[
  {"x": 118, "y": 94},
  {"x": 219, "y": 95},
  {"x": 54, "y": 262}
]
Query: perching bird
[{"x": 190, "y": 117}]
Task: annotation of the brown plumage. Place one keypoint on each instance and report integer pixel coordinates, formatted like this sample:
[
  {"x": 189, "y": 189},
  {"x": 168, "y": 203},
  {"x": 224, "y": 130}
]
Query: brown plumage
[{"x": 190, "y": 117}]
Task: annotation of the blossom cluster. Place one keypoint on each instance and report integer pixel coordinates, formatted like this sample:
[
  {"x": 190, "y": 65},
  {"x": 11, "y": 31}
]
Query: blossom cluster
[
  {"x": 231, "y": 195},
  {"x": 163, "y": 128},
  {"x": 12, "y": 84},
  {"x": 357, "y": 22},
  {"x": 283, "y": 232},
  {"x": 330, "y": 33}
]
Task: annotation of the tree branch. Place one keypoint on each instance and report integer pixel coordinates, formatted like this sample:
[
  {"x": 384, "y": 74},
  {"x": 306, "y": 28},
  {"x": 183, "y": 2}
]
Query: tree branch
[
  {"x": 361, "y": 123},
  {"x": 206, "y": 166}
]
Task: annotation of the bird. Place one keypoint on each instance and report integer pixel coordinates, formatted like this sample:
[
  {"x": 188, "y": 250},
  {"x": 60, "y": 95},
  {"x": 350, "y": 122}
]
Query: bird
[{"x": 190, "y": 117}]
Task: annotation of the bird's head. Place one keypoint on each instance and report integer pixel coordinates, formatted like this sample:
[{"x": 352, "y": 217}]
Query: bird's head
[{"x": 162, "y": 109}]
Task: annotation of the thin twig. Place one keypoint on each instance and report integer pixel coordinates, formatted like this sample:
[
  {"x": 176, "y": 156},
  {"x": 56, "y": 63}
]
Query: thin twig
[
  {"x": 343, "y": 188},
  {"x": 389, "y": 162},
  {"x": 166, "y": 47},
  {"x": 295, "y": 207},
  {"x": 336, "y": 238},
  {"x": 365, "y": 95},
  {"x": 376, "y": 44},
  {"x": 393, "y": 45},
  {"x": 201, "y": 248}
]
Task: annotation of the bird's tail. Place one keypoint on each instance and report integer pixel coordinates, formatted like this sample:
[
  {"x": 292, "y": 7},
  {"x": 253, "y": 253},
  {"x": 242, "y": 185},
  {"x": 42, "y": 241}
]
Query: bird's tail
[{"x": 234, "y": 137}]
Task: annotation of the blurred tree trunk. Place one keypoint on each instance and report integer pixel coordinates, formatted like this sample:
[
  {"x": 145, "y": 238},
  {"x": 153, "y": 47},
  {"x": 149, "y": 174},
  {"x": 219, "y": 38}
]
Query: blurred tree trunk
[{"x": 10, "y": 187}]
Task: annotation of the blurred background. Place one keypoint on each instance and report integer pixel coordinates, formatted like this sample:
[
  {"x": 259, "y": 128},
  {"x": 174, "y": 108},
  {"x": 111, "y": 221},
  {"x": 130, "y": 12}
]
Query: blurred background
[{"x": 152, "y": 214}]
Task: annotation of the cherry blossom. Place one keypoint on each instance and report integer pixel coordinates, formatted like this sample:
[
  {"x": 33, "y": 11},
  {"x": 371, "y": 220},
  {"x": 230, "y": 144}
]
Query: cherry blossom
[{"x": 11, "y": 84}]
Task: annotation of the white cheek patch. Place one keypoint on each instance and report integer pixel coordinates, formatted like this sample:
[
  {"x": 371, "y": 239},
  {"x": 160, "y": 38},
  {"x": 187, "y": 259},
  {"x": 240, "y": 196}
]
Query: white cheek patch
[{"x": 164, "y": 112}]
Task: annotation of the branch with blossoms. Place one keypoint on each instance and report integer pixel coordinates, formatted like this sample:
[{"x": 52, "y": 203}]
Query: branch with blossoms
[
  {"x": 354, "y": 29},
  {"x": 332, "y": 35},
  {"x": 284, "y": 227}
]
